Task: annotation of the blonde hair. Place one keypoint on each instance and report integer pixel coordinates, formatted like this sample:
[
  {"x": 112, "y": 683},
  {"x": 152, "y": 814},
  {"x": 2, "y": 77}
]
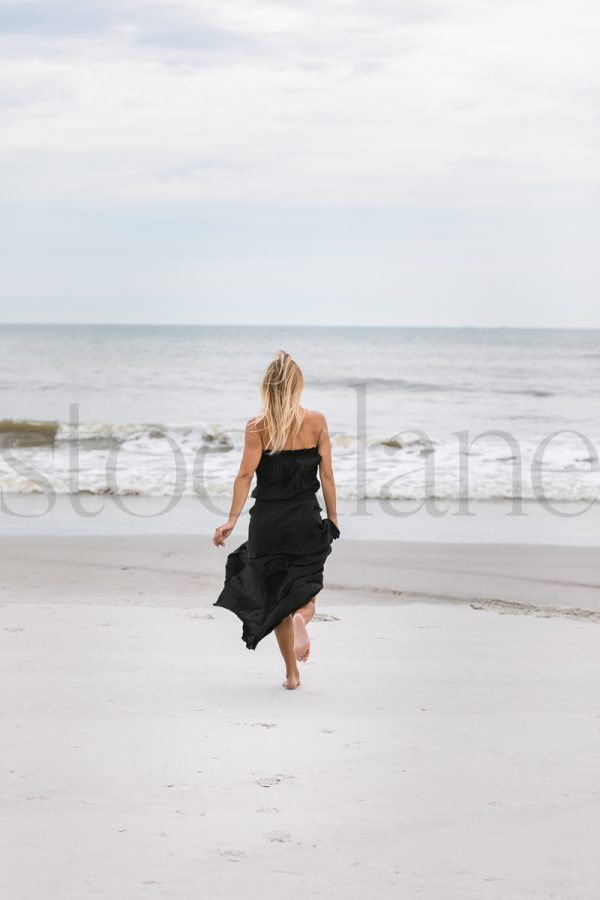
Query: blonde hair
[{"x": 281, "y": 388}]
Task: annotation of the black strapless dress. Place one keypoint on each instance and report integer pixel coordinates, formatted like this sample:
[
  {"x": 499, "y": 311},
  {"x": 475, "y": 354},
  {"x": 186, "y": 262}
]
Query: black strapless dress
[{"x": 280, "y": 567}]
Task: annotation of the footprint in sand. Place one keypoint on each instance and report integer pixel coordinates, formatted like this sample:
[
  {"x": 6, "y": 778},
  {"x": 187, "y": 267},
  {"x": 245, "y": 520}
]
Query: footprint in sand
[
  {"x": 269, "y": 782},
  {"x": 279, "y": 837},
  {"x": 234, "y": 855}
]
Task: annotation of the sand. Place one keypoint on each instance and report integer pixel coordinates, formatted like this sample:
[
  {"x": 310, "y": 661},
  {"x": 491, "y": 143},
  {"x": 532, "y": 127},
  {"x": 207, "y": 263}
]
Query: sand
[
  {"x": 443, "y": 745},
  {"x": 184, "y": 570}
]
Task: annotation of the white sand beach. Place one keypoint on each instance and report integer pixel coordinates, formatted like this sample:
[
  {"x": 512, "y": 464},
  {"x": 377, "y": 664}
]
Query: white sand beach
[{"x": 443, "y": 744}]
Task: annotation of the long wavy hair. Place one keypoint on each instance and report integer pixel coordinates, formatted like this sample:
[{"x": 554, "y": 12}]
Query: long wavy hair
[{"x": 281, "y": 388}]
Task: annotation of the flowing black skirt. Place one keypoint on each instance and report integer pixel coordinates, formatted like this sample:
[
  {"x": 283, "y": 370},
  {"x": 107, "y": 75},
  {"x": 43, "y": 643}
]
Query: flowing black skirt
[{"x": 280, "y": 567}]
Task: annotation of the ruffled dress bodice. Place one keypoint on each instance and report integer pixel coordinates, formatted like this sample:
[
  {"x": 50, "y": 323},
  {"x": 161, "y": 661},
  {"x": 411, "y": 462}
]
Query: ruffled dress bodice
[{"x": 286, "y": 474}]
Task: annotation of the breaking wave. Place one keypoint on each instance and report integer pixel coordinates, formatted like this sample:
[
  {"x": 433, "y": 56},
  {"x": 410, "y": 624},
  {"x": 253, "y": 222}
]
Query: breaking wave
[{"x": 202, "y": 458}]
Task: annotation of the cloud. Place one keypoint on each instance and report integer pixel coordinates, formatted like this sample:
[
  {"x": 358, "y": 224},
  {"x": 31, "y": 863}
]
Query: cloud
[
  {"x": 424, "y": 115},
  {"x": 351, "y": 100},
  {"x": 167, "y": 24}
]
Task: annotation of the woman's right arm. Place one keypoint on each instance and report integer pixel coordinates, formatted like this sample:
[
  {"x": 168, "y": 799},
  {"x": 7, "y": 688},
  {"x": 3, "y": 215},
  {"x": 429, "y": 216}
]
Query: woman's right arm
[
  {"x": 241, "y": 486},
  {"x": 326, "y": 472}
]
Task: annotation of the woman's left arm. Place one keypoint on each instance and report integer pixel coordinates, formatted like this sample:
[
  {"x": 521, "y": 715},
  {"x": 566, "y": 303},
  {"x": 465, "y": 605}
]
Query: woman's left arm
[{"x": 243, "y": 480}]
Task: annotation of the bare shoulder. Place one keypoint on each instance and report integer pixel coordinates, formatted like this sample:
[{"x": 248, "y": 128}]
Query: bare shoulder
[
  {"x": 254, "y": 424},
  {"x": 316, "y": 425},
  {"x": 315, "y": 419},
  {"x": 254, "y": 434}
]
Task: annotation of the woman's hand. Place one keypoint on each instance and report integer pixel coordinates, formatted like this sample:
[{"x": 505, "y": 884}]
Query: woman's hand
[{"x": 222, "y": 532}]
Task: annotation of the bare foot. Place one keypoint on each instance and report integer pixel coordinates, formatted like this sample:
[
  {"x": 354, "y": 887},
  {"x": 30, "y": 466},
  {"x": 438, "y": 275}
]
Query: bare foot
[
  {"x": 301, "y": 638},
  {"x": 292, "y": 681}
]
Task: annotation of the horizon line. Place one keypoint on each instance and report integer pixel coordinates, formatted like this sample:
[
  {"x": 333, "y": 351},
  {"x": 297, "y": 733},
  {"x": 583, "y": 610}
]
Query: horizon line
[{"x": 298, "y": 325}]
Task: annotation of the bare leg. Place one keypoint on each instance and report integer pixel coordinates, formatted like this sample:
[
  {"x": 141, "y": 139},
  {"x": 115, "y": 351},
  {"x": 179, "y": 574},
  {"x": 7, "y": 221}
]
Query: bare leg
[
  {"x": 301, "y": 639},
  {"x": 284, "y": 633}
]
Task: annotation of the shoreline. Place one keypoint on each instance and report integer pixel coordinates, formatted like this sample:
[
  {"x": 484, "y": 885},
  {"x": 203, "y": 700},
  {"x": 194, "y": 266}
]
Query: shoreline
[
  {"x": 187, "y": 571},
  {"x": 481, "y": 521}
]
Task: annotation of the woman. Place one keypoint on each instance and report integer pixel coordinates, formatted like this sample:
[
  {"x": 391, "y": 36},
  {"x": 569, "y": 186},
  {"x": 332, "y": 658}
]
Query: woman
[{"x": 272, "y": 579}]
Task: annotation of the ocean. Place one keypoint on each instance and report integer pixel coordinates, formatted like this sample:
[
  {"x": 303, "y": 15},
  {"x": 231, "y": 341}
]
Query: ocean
[{"x": 413, "y": 413}]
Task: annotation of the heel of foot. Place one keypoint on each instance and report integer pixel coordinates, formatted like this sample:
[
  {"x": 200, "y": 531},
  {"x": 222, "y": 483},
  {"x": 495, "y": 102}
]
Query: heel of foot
[{"x": 301, "y": 638}]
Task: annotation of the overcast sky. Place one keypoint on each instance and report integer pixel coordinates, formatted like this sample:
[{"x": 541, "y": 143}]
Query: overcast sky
[{"x": 405, "y": 162}]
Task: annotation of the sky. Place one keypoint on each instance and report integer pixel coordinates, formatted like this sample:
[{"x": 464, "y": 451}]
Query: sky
[{"x": 385, "y": 162}]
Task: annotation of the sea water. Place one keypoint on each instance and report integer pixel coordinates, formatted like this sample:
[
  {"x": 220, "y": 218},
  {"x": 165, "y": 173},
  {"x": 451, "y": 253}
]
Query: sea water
[{"x": 413, "y": 413}]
